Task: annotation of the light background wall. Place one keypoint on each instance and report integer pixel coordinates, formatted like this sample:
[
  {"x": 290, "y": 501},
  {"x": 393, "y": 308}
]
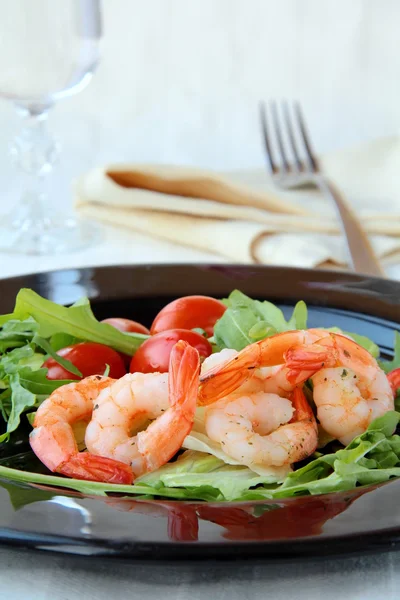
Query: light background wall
[{"x": 180, "y": 81}]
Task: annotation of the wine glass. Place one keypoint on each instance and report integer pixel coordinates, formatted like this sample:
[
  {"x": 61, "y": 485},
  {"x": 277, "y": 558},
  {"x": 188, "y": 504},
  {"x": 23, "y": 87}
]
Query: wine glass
[{"x": 49, "y": 49}]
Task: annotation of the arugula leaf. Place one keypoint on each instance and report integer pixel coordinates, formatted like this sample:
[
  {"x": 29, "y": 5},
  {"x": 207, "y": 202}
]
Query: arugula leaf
[
  {"x": 389, "y": 365},
  {"x": 361, "y": 340},
  {"x": 22, "y": 495},
  {"x": 46, "y": 346},
  {"x": 365, "y": 342},
  {"x": 16, "y": 333},
  {"x": 27, "y": 390},
  {"x": 62, "y": 340},
  {"x": 39, "y": 324},
  {"x": 21, "y": 399},
  {"x": 246, "y": 321},
  {"x": 232, "y": 329},
  {"x": 37, "y": 382},
  {"x": 11, "y": 361},
  {"x": 26, "y": 327},
  {"x": 193, "y": 475},
  {"x": 372, "y": 457},
  {"x": 77, "y": 321},
  {"x": 261, "y": 330},
  {"x": 101, "y": 489},
  {"x": 31, "y": 418},
  {"x": 200, "y": 331},
  {"x": 298, "y": 320},
  {"x": 397, "y": 400},
  {"x": 5, "y": 403}
]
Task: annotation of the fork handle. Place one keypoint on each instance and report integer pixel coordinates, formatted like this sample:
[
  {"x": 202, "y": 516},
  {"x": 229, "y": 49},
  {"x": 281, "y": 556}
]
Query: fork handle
[{"x": 362, "y": 256}]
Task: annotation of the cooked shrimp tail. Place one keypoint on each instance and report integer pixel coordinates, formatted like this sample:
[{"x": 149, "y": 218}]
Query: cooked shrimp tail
[
  {"x": 332, "y": 351},
  {"x": 303, "y": 411},
  {"x": 168, "y": 431},
  {"x": 167, "y": 400},
  {"x": 84, "y": 465},
  {"x": 53, "y": 440},
  {"x": 394, "y": 379},
  {"x": 224, "y": 379}
]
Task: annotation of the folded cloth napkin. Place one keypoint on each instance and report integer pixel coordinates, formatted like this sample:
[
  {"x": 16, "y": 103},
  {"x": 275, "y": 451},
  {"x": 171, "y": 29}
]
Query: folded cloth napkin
[{"x": 243, "y": 217}]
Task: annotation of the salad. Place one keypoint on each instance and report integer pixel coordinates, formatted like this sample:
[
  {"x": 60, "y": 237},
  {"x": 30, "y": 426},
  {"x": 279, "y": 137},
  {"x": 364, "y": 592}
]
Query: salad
[{"x": 220, "y": 400}]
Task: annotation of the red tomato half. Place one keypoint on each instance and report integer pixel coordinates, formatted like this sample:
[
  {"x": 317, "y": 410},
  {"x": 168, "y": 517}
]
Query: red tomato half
[
  {"x": 189, "y": 312},
  {"x": 394, "y": 379},
  {"x": 153, "y": 355},
  {"x": 90, "y": 358},
  {"x": 126, "y": 325}
]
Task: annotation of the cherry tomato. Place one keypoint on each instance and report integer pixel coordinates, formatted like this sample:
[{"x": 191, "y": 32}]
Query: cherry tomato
[
  {"x": 127, "y": 325},
  {"x": 90, "y": 358},
  {"x": 153, "y": 355},
  {"x": 189, "y": 312},
  {"x": 394, "y": 379}
]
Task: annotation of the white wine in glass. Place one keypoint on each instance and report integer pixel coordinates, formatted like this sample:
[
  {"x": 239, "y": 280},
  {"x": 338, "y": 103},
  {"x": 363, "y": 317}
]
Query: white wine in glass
[{"x": 49, "y": 49}]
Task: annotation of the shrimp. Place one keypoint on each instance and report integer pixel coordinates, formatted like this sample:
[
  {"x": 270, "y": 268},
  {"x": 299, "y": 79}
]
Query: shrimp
[
  {"x": 272, "y": 380},
  {"x": 263, "y": 429},
  {"x": 394, "y": 379},
  {"x": 251, "y": 362},
  {"x": 169, "y": 402},
  {"x": 53, "y": 440},
  {"x": 347, "y": 402},
  {"x": 311, "y": 354},
  {"x": 350, "y": 389}
]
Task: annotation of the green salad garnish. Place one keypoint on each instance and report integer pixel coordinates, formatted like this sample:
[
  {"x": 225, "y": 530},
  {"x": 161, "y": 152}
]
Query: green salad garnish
[{"x": 38, "y": 328}]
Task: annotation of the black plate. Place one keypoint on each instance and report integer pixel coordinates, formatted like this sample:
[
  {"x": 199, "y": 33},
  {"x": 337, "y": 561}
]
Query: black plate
[{"x": 362, "y": 520}]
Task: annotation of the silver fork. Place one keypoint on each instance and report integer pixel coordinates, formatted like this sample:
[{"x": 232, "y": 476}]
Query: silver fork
[{"x": 297, "y": 172}]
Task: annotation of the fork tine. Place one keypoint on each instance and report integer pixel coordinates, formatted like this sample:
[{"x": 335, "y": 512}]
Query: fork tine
[
  {"x": 266, "y": 139},
  {"x": 278, "y": 133},
  {"x": 290, "y": 130},
  {"x": 306, "y": 138}
]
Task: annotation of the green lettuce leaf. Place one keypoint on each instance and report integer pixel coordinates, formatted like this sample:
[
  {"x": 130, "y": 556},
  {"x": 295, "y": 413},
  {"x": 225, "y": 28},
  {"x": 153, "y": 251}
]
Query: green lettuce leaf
[
  {"x": 193, "y": 476},
  {"x": 77, "y": 321},
  {"x": 22, "y": 495},
  {"x": 365, "y": 342},
  {"x": 24, "y": 384},
  {"x": 199, "y": 441},
  {"x": 247, "y": 321},
  {"x": 47, "y": 347},
  {"x": 389, "y": 365},
  {"x": 397, "y": 400},
  {"x": 21, "y": 400},
  {"x": 16, "y": 333},
  {"x": 62, "y": 340},
  {"x": 37, "y": 383},
  {"x": 37, "y": 328},
  {"x": 373, "y": 457},
  {"x": 196, "y": 469},
  {"x": 361, "y": 340}
]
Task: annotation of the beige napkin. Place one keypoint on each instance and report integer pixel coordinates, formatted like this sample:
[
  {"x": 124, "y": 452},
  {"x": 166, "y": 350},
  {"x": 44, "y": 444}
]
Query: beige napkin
[{"x": 243, "y": 217}]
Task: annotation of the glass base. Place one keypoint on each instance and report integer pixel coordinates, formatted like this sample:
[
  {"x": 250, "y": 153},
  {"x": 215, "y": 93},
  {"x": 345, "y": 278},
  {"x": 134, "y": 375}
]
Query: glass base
[{"x": 59, "y": 235}]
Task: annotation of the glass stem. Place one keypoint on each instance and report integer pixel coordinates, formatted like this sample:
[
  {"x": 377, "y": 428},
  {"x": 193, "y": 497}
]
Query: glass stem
[{"x": 34, "y": 151}]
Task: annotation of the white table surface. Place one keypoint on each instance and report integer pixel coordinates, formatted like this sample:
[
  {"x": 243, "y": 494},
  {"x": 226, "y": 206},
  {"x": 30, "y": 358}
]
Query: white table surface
[
  {"x": 118, "y": 246},
  {"x": 26, "y": 575}
]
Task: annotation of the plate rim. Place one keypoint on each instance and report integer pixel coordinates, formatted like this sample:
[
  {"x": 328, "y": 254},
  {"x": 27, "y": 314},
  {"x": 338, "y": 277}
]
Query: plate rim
[{"x": 228, "y": 551}]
